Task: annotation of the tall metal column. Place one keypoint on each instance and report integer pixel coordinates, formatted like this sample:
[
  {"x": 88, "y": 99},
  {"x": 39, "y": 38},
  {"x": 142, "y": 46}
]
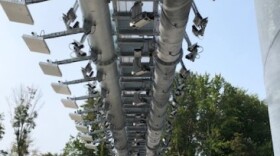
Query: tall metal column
[
  {"x": 97, "y": 13},
  {"x": 173, "y": 20},
  {"x": 268, "y": 17}
]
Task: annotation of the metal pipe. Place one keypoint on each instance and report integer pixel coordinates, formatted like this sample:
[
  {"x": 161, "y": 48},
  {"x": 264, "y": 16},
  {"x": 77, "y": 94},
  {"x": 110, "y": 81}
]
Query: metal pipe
[
  {"x": 268, "y": 14},
  {"x": 63, "y": 33},
  {"x": 72, "y": 60},
  {"x": 83, "y": 97},
  {"x": 173, "y": 20},
  {"x": 78, "y": 81},
  {"x": 97, "y": 13},
  {"x": 34, "y": 1}
]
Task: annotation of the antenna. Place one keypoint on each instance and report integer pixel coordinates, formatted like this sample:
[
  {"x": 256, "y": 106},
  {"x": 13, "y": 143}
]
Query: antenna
[
  {"x": 50, "y": 69},
  {"x": 61, "y": 88},
  {"x": 82, "y": 128},
  {"x": 36, "y": 44},
  {"x": 86, "y": 137},
  {"x": 69, "y": 103},
  {"x": 17, "y": 11},
  {"x": 76, "y": 117}
]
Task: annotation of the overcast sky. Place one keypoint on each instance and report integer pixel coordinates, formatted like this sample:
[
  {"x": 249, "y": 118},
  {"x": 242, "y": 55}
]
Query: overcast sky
[{"x": 231, "y": 48}]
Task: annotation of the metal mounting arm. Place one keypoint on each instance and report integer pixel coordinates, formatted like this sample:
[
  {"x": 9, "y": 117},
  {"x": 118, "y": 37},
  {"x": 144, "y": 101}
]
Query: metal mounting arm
[
  {"x": 72, "y": 60},
  {"x": 78, "y": 81},
  {"x": 34, "y": 1},
  {"x": 194, "y": 7},
  {"x": 200, "y": 23},
  {"x": 71, "y": 16},
  {"x": 187, "y": 39},
  {"x": 192, "y": 48},
  {"x": 63, "y": 33},
  {"x": 83, "y": 97}
]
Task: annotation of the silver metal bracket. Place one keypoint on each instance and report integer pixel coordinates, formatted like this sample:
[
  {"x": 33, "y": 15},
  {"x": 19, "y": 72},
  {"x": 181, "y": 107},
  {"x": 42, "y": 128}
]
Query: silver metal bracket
[
  {"x": 72, "y": 60},
  {"x": 158, "y": 60},
  {"x": 83, "y": 97},
  {"x": 63, "y": 33},
  {"x": 107, "y": 62},
  {"x": 78, "y": 81}
]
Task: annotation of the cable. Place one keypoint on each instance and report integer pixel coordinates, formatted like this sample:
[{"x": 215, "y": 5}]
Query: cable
[
  {"x": 42, "y": 32},
  {"x": 170, "y": 53},
  {"x": 71, "y": 54},
  {"x": 202, "y": 49},
  {"x": 69, "y": 46}
]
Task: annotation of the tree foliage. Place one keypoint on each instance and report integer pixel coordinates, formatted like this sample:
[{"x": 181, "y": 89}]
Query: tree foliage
[
  {"x": 2, "y": 129},
  {"x": 215, "y": 118},
  {"x": 75, "y": 146},
  {"x": 2, "y": 132},
  {"x": 49, "y": 154},
  {"x": 24, "y": 101}
]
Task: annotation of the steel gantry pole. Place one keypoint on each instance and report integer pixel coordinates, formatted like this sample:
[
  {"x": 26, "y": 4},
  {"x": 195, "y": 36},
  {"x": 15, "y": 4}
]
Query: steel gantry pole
[
  {"x": 268, "y": 15},
  {"x": 173, "y": 20},
  {"x": 96, "y": 12}
]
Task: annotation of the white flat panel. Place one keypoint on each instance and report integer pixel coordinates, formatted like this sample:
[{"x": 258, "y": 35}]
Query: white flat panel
[
  {"x": 81, "y": 128},
  {"x": 98, "y": 131},
  {"x": 61, "y": 88},
  {"x": 17, "y": 12},
  {"x": 91, "y": 146},
  {"x": 76, "y": 117},
  {"x": 86, "y": 137},
  {"x": 50, "y": 69},
  {"x": 69, "y": 103},
  {"x": 36, "y": 44}
]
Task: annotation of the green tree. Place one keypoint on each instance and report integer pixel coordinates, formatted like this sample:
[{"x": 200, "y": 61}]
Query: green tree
[
  {"x": 2, "y": 132},
  {"x": 215, "y": 118},
  {"x": 24, "y": 101},
  {"x": 75, "y": 146},
  {"x": 49, "y": 154}
]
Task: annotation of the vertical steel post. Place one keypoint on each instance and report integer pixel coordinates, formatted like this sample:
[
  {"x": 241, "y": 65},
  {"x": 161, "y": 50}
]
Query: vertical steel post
[
  {"x": 268, "y": 18},
  {"x": 173, "y": 20},
  {"x": 96, "y": 12}
]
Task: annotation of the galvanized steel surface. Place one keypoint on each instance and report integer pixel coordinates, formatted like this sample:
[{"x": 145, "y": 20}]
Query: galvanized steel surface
[{"x": 268, "y": 17}]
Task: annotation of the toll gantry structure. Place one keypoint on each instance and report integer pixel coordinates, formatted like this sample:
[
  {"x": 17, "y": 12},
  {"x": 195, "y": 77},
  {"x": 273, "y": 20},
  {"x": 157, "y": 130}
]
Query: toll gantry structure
[{"x": 135, "y": 46}]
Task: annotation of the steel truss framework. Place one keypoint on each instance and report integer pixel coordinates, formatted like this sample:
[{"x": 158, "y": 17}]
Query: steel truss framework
[{"x": 135, "y": 48}]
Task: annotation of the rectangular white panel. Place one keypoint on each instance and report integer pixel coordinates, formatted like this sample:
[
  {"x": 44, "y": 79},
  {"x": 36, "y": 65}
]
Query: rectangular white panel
[
  {"x": 36, "y": 44},
  {"x": 61, "y": 88},
  {"x": 17, "y": 11},
  {"x": 91, "y": 146},
  {"x": 69, "y": 103},
  {"x": 86, "y": 137},
  {"x": 82, "y": 128},
  {"x": 76, "y": 117},
  {"x": 50, "y": 69}
]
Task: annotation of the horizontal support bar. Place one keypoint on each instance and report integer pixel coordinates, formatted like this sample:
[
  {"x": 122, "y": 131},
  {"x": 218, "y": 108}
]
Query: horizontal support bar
[
  {"x": 133, "y": 40},
  {"x": 137, "y": 32},
  {"x": 136, "y": 110},
  {"x": 130, "y": 106},
  {"x": 135, "y": 79},
  {"x": 130, "y": 64},
  {"x": 83, "y": 97},
  {"x": 131, "y": 54},
  {"x": 34, "y": 1},
  {"x": 72, "y": 60},
  {"x": 63, "y": 33},
  {"x": 128, "y": 75},
  {"x": 79, "y": 81}
]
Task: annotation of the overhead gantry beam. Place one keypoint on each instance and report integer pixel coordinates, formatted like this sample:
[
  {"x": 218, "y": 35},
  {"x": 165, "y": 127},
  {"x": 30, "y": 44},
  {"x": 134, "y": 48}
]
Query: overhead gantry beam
[
  {"x": 173, "y": 20},
  {"x": 97, "y": 13}
]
